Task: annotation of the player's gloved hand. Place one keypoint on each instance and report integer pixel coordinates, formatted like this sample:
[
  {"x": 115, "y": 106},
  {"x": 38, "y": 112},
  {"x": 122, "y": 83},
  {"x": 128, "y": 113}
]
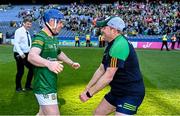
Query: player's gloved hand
[
  {"x": 55, "y": 66},
  {"x": 75, "y": 65}
]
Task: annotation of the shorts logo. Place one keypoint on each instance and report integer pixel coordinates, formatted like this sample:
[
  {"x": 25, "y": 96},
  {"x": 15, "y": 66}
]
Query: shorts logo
[
  {"x": 128, "y": 106},
  {"x": 46, "y": 96},
  {"x": 119, "y": 105},
  {"x": 53, "y": 96}
]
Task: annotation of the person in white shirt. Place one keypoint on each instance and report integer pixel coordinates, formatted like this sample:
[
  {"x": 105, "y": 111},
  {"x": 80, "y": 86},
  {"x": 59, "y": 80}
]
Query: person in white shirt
[{"x": 22, "y": 45}]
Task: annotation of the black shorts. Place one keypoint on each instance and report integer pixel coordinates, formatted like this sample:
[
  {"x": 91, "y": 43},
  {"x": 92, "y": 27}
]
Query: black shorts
[{"x": 125, "y": 104}]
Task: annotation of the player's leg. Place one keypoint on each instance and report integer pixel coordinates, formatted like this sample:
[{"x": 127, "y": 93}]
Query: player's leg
[
  {"x": 40, "y": 113},
  {"x": 50, "y": 109},
  {"x": 48, "y": 104}
]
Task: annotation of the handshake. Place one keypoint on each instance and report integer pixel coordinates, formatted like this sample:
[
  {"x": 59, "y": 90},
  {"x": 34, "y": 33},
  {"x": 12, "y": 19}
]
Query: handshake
[{"x": 57, "y": 67}]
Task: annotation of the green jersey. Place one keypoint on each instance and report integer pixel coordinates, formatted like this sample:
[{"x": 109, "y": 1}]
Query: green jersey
[{"x": 45, "y": 81}]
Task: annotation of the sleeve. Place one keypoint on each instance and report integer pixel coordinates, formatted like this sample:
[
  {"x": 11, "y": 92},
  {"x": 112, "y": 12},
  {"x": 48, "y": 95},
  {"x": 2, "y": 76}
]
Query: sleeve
[
  {"x": 119, "y": 52},
  {"x": 38, "y": 42},
  {"x": 17, "y": 37}
]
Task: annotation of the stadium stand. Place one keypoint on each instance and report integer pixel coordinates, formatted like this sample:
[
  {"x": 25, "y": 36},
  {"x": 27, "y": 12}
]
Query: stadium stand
[{"x": 142, "y": 20}]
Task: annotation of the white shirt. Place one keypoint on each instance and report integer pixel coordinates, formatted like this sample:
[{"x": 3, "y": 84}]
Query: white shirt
[{"x": 21, "y": 41}]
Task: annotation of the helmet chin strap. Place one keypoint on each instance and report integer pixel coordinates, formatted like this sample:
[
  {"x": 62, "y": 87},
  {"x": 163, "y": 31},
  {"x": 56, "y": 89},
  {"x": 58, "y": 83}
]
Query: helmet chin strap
[{"x": 50, "y": 28}]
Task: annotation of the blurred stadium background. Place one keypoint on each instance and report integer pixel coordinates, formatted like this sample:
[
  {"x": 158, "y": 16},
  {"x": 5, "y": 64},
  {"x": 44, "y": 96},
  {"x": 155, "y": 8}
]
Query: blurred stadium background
[
  {"x": 145, "y": 26},
  {"x": 143, "y": 21}
]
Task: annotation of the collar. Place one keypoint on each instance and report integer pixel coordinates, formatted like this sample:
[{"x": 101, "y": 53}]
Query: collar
[
  {"x": 111, "y": 42},
  {"x": 44, "y": 32}
]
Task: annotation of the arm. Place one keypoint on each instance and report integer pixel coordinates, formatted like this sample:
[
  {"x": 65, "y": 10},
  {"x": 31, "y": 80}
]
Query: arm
[
  {"x": 67, "y": 60},
  {"x": 99, "y": 72},
  {"x": 38, "y": 61},
  {"x": 104, "y": 80},
  {"x": 16, "y": 43}
]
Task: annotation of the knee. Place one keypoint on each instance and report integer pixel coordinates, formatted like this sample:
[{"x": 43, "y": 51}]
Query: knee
[
  {"x": 96, "y": 112},
  {"x": 51, "y": 112}
]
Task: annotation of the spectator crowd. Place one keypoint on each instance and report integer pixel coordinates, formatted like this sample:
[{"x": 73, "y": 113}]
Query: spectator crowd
[{"x": 153, "y": 18}]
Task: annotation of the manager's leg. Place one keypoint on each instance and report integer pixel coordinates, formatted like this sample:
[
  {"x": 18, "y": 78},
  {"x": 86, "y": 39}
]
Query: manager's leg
[{"x": 104, "y": 108}]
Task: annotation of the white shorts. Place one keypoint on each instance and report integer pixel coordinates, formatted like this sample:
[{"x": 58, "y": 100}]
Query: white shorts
[{"x": 47, "y": 99}]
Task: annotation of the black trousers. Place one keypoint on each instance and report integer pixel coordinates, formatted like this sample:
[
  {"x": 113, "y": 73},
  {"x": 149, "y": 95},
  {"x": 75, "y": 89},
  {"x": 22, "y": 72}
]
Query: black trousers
[
  {"x": 164, "y": 43},
  {"x": 88, "y": 43},
  {"x": 20, "y": 63},
  {"x": 173, "y": 45},
  {"x": 178, "y": 43},
  {"x": 77, "y": 42},
  {"x": 100, "y": 44}
]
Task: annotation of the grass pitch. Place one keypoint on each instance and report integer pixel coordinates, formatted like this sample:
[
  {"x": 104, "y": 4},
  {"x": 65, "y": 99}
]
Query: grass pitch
[{"x": 160, "y": 69}]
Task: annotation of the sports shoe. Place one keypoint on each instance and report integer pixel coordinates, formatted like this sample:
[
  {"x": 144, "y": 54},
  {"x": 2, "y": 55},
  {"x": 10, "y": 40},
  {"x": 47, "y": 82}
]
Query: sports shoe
[
  {"x": 28, "y": 88},
  {"x": 20, "y": 90}
]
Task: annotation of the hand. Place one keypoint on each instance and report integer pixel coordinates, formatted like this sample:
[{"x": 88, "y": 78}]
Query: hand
[
  {"x": 55, "y": 66},
  {"x": 60, "y": 62},
  {"x": 23, "y": 56},
  {"x": 75, "y": 65},
  {"x": 86, "y": 90},
  {"x": 83, "y": 97}
]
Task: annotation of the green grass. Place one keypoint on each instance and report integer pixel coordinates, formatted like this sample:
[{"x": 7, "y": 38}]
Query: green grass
[{"x": 161, "y": 72}]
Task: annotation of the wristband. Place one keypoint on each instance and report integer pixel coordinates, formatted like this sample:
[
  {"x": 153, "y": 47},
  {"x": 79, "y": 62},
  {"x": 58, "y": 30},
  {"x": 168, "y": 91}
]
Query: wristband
[{"x": 88, "y": 94}]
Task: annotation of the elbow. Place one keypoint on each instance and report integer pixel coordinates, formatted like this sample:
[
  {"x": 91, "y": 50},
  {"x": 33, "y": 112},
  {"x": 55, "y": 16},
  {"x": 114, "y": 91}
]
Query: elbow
[
  {"x": 109, "y": 78},
  {"x": 101, "y": 68},
  {"x": 30, "y": 56},
  {"x": 110, "y": 73}
]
